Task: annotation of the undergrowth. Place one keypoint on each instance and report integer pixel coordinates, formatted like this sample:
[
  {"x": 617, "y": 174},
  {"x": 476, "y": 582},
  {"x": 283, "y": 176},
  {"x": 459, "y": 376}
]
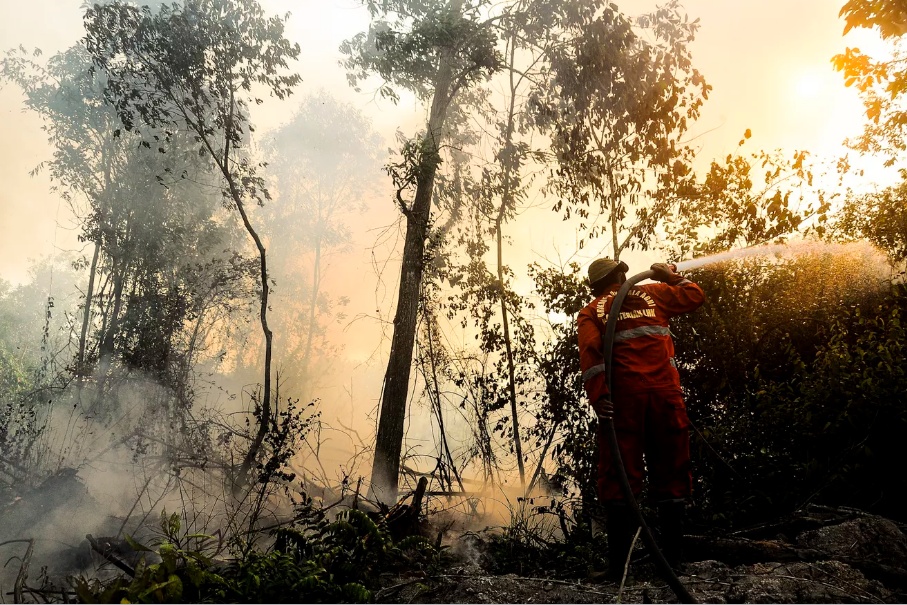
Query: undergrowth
[
  {"x": 315, "y": 560},
  {"x": 550, "y": 540}
]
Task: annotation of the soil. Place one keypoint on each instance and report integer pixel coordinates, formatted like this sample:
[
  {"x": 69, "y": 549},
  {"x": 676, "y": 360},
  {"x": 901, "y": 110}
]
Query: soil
[
  {"x": 861, "y": 559},
  {"x": 707, "y": 582}
]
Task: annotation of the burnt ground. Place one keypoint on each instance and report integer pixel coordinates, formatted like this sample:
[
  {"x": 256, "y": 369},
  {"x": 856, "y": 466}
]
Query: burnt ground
[
  {"x": 707, "y": 581},
  {"x": 862, "y": 559}
]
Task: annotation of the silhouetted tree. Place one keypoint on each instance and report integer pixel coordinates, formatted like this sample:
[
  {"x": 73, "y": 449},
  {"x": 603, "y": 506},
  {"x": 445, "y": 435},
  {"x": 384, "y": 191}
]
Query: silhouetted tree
[
  {"x": 192, "y": 69},
  {"x": 622, "y": 92},
  {"x": 159, "y": 244},
  {"x": 880, "y": 217},
  {"x": 881, "y": 82},
  {"x": 434, "y": 50}
]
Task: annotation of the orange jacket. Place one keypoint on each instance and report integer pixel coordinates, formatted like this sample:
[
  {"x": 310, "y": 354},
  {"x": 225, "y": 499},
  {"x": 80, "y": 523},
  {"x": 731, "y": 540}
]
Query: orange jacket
[{"x": 643, "y": 351}]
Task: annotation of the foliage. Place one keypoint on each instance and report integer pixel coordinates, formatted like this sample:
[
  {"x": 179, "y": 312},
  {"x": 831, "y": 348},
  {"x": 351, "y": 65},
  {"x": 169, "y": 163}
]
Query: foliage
[
  {"x": 158, "y": 262},
  {"x": 621, "y": 94},
  {"x": 837, "y": 419},
  {"x": 34, "y": 352},
  {"x": 315, "y": 560},
  {"x": 476, "y": 305},
  {"x": 879, "y": 217},
  {"x": 547, "y": 538},
  {"x": 192, "y": 69},
  {"x": 182, "y": 575},
  {"x": 747, "y": 200},
  {"x": 888, "y": 16},
  {"x": 564, "y": 409},
  {"x": 406, "y": 40},
  {"x": 880, "y": 81},
  {"x": 790, "y": 375},
  {"x": 790, "y": 371}
]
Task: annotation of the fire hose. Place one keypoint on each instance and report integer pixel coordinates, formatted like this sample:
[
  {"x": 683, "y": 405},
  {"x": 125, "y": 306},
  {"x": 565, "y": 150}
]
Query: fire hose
[{"x": 608, "y": 341}]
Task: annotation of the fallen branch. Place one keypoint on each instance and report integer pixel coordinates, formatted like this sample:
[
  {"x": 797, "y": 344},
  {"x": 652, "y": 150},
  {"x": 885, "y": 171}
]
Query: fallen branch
[
  {"x": 23, "y": 572},
  {"x": 109, "y": 556}
]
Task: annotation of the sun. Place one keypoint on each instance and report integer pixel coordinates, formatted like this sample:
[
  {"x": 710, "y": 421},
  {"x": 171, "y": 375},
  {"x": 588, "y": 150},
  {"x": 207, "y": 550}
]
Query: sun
[{"x": 808, "y": 86}]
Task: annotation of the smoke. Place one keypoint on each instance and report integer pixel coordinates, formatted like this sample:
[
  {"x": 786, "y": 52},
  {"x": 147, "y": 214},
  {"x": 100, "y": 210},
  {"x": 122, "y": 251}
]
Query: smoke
[{"x": 114, "y": 452}]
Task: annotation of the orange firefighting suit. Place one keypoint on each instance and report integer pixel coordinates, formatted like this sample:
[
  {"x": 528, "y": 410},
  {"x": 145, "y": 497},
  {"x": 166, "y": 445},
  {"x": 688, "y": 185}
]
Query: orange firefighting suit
[{"x": 649, "y": 413}]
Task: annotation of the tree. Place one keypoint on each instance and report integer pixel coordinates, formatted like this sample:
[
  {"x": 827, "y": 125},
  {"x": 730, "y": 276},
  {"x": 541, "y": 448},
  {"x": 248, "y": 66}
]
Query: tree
[
  {"x": 191, "y": 69},
  {"x": 880, "y": 217},
  {"x": 318, "y": 187},
  {"x": 889, "y": 16},
  {"x": 498, "y": 194},
  {"x": 790, "y": 375},
  {"x": 158, "y": 243},
  {"x": 747, "y": 200},
  {"x": 881, "y": 82},
  {"x": 434, "y": 50},
  {"x": 86, "y": 159},
  {"x": 622, "y": 93}
]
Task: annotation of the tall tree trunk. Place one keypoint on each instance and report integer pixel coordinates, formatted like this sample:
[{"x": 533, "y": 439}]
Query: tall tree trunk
[
  {"x": 86, "y": 318},
  {"x": 506, "y": 202},
  {"x": 106, "y": 350},
  {"x": 264, "y": 420},
  {"x": 511, "y": 372},
  {"x": 389, "y": 440},
  {"x": 107, "y": 344}
]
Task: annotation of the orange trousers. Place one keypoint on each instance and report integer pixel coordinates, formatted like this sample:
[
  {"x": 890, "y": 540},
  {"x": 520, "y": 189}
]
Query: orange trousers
[{"x": 653, "y": 432}]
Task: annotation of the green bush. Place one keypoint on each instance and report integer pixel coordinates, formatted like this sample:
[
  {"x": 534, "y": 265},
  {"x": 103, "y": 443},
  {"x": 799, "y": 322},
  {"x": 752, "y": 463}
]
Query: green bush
[
  {"x": 795, "y": 381},
  {"x": 314, "y": 561}
]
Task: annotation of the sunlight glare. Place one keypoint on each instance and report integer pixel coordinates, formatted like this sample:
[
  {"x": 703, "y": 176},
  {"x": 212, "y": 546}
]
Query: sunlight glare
[{"x": 808, "y": 86}]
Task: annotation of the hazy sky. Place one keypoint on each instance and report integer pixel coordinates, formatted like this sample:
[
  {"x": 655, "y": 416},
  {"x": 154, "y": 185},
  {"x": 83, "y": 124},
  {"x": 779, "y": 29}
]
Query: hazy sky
[{"x": 768, "y": 61}]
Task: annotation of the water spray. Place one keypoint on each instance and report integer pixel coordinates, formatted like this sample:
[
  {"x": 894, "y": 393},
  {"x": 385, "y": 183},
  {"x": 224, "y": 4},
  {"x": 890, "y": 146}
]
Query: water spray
[{"x": 777, "y": 250}]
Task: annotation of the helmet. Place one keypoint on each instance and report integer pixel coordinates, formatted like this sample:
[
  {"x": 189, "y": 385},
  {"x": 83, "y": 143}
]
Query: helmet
[{"x": 603, "y": 267}]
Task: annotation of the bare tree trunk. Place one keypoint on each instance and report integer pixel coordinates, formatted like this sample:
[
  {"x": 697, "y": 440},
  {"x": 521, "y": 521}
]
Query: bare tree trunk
[
  {"x": 107, "y": 341},
  {"x": 507, "y": 201},
  {"x": 389, "y": 440},
  {"x": 223, "y": 161},
  {"x": 264, "y": 420},
  {"x": 106, "y": 350},
  {"x": 511, "y": 373},
  {"x": 86, "y": 318},
  {"x": 438, "y": 410}
]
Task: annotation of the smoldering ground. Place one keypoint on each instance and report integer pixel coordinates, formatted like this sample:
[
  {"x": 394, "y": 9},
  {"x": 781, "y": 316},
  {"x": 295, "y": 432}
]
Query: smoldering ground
[{"x": 111, "y": 470}]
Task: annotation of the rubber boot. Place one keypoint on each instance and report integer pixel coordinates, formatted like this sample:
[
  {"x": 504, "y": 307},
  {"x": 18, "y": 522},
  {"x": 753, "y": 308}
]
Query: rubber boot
[
  {"x": 671, "y": 517},
  {"x": 621, "y": 526}
]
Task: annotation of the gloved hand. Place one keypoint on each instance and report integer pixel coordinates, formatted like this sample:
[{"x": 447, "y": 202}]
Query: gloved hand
[
  {"x": 663, "y": 272},
  {"x": 604, "y": 409}
]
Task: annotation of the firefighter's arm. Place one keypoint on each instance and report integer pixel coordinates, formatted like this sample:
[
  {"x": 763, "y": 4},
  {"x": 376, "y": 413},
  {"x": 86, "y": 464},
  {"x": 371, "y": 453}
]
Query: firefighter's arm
[
  {"x": 591, "y": 361},
  {"x": 666, "y": 273},
  {"x": 681, "y": 295}
]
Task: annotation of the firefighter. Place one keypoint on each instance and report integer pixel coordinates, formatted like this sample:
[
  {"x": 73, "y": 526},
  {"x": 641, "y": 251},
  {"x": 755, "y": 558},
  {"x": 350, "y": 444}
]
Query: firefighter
[{"x": 647, "y": 407}]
